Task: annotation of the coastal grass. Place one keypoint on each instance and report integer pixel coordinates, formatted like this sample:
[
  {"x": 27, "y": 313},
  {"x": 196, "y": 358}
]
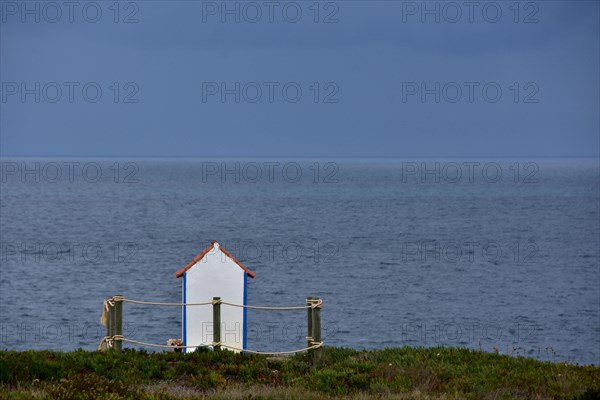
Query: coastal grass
[{"x": 399, "y": 373}]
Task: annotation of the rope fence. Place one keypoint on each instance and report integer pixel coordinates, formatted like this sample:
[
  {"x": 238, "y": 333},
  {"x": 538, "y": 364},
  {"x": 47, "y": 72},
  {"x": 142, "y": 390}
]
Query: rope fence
[{"x": 112, "y": 314}]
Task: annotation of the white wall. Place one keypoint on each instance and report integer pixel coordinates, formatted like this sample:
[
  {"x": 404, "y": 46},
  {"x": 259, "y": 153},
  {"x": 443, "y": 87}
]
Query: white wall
[{"x": 216, "y": 275}]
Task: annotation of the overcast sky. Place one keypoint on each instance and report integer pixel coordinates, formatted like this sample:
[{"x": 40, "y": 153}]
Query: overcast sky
[{"x": 327, "y": 79}]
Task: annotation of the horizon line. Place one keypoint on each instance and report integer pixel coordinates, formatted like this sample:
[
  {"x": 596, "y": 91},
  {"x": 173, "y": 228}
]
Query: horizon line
[{"x": 312, "y": 157}]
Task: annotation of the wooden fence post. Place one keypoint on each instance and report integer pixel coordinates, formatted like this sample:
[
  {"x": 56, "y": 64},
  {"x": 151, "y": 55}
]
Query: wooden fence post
[
  {"x": 112, "y": 317},
  {"x": 119, "y": 321},
  {"x": 317, "y": 329},
  {"x": 309, "y": 322},
  {"x": 108, "y": 320},
  {"x": 217, "y": 322}
]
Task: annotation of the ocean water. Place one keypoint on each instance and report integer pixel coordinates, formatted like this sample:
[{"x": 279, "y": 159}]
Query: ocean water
[{"x": 499, "y": 255}]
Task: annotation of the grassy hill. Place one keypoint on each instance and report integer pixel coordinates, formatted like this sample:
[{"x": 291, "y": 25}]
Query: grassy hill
[{"x": 400, "y": 373}]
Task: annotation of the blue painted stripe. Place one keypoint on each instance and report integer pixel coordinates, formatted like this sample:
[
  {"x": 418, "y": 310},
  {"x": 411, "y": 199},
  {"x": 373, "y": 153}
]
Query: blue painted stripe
[
  {"x": 184, "y": 311},
  {"x": 244, "y": 336}
]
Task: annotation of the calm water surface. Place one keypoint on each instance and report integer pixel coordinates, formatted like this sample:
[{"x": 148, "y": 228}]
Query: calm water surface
[{"x": 486, "y": 254}]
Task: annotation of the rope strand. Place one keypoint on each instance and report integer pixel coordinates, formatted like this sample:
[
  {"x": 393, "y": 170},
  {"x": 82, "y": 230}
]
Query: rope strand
[
  {"x": 109, "y": 342},
  {"x": 316, "y": 345},
  {"x": 154, "y": 303},
  {"x": 162, "y": 345},
  {"x": 266, "y": 307}
]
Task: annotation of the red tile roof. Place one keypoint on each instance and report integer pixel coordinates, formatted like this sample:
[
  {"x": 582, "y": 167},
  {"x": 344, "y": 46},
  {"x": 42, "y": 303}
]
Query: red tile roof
[{"x": 201, "y": 255}]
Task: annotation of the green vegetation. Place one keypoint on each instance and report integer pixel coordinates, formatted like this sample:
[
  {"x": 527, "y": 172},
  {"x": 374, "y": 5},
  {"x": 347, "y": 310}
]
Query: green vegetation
[{"x": 405, "y": 373}]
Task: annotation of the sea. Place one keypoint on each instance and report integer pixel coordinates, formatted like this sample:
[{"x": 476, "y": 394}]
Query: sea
[{"x": 500, "y": 255}]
